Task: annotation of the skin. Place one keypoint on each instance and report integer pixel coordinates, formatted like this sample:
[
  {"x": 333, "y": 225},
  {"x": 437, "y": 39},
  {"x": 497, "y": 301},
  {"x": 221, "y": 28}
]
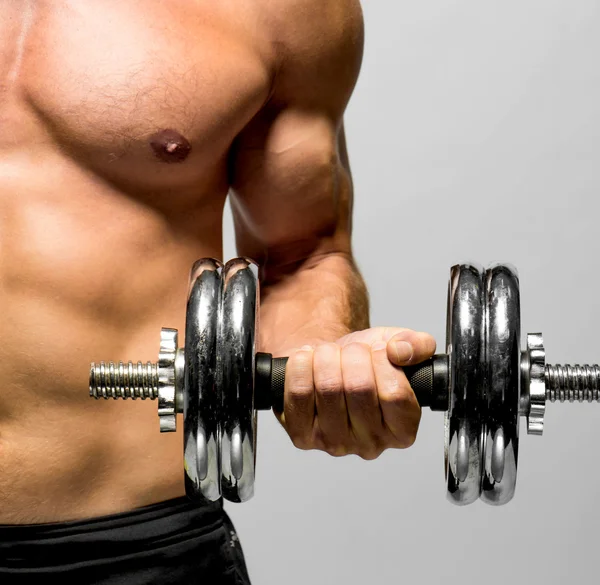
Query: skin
[{"x": 123, "y": 126}]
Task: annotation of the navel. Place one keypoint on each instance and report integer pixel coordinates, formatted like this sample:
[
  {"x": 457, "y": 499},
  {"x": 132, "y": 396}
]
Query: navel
[{"x": 170, "y": 146}]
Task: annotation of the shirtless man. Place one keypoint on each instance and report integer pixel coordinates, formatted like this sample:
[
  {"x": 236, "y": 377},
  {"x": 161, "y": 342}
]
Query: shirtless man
[{"x": 123, "y": 126}]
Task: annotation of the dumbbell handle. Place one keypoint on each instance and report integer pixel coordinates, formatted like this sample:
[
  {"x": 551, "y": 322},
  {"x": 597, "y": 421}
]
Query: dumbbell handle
[{"x": 429, "y": 381}]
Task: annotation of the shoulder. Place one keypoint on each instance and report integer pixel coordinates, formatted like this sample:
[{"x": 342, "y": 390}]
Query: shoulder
[
  {"x": 318, "y": 47},
  {"x": 300, "y": 23}
]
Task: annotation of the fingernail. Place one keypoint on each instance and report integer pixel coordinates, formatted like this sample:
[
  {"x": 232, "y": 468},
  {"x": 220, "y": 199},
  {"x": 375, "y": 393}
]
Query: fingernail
[
  {"x": 306, "y": 348},
  {"x": 404, "y": 351}
]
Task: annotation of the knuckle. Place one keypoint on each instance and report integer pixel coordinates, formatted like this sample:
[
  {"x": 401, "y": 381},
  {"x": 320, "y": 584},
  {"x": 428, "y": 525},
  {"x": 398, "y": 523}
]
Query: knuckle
[
  {"x": 399, "y": 394},
  {"x": 326, "y": 350},
  {"x": 370, "y": 453},
  {"x": 299, "y": 389},
  {"x": 301, "y": 357},
  {"x": 359, "y": 386},
  {"x": 301, "y": 442},
  {"x": 299, "y": 368},
  {"x": 406, "y": 434},
  {"x": 355, "y": 348},
  {"x": 407, "y": 440},
  {"x": 336, "y": 449},
  {"x": 329, "y": 387}
]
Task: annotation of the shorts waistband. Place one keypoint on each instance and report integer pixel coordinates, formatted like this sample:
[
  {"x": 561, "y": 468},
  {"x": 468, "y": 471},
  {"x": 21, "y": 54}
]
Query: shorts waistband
[{"x": 144, "y": 528}]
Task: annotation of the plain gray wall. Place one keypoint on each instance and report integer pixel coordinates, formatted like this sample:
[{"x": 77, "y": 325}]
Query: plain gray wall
[{"x": 474, "y": 135}]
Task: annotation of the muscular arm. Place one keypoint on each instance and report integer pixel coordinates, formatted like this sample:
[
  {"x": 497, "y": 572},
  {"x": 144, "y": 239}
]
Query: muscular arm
[
  {"x": 292, "y": 191},
  {"x": 292, "y": 206}
]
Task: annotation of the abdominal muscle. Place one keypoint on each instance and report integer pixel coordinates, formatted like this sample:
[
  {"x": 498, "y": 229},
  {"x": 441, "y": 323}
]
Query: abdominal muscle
[{"x": 88, "y": 273}]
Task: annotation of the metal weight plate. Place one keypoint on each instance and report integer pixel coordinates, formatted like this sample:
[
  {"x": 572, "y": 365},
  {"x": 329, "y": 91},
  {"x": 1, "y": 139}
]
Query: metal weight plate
[
  {"x": 464, "y": 339},
  {"x": 503, "y": 364},
  {"x": 201, "y": 402},
  {"x": 236, "y": 350}
]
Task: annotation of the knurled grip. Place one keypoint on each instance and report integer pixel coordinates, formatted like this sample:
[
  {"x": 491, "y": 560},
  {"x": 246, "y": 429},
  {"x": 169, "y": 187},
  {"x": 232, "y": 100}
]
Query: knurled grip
[
  {"x": 429, "y": 381},
  {"x": 269, "y": 382},
  {"x": 278, "y": 383},
  {"x": 420, "y": 378}
]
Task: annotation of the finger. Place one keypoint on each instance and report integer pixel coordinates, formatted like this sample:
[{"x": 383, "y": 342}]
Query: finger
[
  {"x": 410, "y": 347},
  {"x": 399, "y": 407},
  {"x": 371, "y": 336},
  {"x": 362, "y": 402},
  {"x": 299, "y": 397},
  {"x": 329, "y": 397}
]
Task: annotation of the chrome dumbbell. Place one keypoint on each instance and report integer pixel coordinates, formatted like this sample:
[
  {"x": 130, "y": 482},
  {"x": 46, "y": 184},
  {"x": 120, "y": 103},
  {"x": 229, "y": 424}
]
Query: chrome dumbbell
[
  {"x": 217, "y": 381},
  {"x": 484, "y": 382}
]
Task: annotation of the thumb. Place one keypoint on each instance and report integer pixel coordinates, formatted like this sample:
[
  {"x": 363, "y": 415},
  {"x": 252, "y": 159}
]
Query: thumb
[{"x": 410, "y": 347}]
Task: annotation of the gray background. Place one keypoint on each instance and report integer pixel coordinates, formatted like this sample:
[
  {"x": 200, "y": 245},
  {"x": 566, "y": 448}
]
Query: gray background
[{"x": 473, "y": 136}]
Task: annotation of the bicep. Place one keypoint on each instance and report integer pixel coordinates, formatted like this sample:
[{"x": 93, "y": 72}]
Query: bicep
[{"x": 291, "y": 188}]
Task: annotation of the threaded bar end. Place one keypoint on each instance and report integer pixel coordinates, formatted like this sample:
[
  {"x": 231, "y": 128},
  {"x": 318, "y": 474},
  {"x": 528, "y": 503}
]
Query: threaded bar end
[
  {"x": 567, "y": 383},
  {"x": 124, "y": 380}
]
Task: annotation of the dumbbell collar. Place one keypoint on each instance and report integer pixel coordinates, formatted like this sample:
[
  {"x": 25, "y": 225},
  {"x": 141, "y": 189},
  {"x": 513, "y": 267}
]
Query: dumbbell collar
[
  {"x": 171, "y": 368},
  {"x": 533, "y": 384}
]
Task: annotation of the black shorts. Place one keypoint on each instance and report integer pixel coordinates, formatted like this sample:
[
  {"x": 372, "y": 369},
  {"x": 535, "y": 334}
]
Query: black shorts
[{"x": 172, "y": 542}]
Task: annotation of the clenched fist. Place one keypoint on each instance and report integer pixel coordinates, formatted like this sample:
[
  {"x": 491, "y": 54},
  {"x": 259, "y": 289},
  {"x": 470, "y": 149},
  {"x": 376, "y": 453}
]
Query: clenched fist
[{"x": 351, "y": 396}]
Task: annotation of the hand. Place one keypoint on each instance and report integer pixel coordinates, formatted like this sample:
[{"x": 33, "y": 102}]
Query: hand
[{"x": 350, "y": 397}]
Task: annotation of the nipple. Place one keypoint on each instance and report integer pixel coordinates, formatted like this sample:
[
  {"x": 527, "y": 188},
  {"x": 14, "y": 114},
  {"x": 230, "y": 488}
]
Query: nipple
[{"x": 170, "y": 146}]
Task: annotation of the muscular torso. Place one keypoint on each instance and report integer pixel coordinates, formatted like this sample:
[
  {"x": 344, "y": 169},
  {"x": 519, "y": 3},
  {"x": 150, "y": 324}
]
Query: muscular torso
[{"x": 99, "y": 226}]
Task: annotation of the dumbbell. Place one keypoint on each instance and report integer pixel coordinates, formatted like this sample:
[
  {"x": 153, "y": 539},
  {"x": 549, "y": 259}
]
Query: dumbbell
[{"x": 484, "y": 382}]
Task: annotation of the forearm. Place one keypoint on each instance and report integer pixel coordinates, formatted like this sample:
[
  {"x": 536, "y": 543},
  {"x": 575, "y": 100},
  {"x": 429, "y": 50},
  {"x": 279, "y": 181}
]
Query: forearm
[{"x": 319, "y": 300}]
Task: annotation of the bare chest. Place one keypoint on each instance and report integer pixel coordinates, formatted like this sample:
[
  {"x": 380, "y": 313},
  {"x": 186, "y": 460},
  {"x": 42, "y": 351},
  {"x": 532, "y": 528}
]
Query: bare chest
[{"x": 137, "y": 91}]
